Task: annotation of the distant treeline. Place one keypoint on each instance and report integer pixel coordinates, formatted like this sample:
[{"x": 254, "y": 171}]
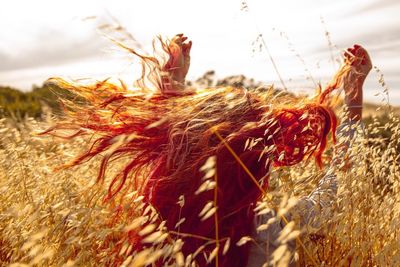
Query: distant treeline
[{"x": 17, "y": 104}]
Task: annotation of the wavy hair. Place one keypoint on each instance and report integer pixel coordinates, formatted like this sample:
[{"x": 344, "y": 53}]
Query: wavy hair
[{"x": 167, "y": 139}]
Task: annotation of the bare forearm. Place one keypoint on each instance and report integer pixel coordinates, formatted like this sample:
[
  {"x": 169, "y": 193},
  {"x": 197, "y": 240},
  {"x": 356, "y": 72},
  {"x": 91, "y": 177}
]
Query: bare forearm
[
  {"x": 359, "y": 61},
  {"x": 354, "y": 100}
]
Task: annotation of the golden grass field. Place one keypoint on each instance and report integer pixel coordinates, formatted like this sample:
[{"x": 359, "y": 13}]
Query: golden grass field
[{"x": 58, "y": 218}]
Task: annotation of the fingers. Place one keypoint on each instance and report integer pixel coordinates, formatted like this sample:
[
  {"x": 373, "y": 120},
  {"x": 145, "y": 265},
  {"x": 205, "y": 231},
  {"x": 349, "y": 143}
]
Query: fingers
[
  {"x": 349, "y": 54},
  {"x": 186, "y": 48},
  {"x": 179, "y": 44},
  {"x": 363, "y": 58},
  {"x": 357, "y": 55},
  {"x": 179, "y": 39},
  {"x": 363, "y": 54},
  {"x": 353, "y": 51}
]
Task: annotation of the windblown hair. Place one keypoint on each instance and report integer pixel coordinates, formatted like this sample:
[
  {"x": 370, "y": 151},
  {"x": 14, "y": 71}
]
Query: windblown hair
[{"x": 167, "y": 139}]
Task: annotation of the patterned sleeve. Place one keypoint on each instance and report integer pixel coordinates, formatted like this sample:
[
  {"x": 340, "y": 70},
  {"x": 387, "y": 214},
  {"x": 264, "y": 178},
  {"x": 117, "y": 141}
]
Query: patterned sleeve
[
  {"x": 313, "y": 210},
  {"x": 310, "y": 211}
]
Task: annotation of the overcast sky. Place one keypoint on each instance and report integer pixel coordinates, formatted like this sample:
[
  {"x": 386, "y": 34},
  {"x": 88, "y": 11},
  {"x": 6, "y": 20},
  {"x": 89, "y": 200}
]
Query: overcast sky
[{"x": 44, "y": 38}]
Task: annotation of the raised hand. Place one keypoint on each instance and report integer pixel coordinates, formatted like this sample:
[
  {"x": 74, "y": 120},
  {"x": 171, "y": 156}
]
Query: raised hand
[
  {"x": 357, "y": 57},
  {"x": 179, "y": 58}
]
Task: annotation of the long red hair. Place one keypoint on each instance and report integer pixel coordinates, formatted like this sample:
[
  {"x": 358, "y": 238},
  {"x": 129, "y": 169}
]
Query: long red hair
[{"x": 168, "y": 139}]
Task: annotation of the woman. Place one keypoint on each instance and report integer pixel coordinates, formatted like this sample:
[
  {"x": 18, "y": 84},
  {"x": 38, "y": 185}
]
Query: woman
[
  {"x": 309, "y": 210},
  {"x": 211, "y": 151}
]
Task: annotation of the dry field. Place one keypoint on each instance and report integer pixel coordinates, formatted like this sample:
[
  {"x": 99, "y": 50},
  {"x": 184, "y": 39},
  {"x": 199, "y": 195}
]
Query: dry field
[{"x": 58, "y": 218}]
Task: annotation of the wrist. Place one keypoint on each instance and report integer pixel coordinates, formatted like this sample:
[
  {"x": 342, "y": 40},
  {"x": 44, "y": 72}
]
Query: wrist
[
  {"x": 170, "y": 85},
  {"x": 354, "y": 112}
]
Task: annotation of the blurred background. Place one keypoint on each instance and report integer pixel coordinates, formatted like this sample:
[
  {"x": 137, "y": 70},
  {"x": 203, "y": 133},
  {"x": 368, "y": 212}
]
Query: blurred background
[{"x": 44, "y": 38}]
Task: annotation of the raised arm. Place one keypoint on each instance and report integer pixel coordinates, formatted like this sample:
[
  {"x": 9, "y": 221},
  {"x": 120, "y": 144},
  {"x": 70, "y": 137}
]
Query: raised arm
[
  {"x": 312, "y": 208},
  {"x": 361, "y": 64}
]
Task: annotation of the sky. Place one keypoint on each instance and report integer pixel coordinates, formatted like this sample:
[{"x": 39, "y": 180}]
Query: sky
[{"x": 46, "y": 38}]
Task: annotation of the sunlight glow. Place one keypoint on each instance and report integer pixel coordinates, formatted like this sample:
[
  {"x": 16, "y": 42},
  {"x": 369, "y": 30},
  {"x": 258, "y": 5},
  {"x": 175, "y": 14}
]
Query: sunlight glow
[{"x": 48, "y": 38}]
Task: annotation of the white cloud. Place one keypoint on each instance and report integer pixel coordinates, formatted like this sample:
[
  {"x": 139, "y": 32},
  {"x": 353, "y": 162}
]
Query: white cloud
[{"x": 44, "y": 37}]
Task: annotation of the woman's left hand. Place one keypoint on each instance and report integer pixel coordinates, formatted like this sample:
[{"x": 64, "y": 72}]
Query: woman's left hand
[{"x": 360, "y": 65}]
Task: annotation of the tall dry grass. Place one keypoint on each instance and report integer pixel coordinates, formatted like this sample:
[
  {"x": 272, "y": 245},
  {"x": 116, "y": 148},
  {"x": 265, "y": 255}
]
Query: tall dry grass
[
  {"x": 50, "y": 218},
  {"x": 58, "y": 218}
]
